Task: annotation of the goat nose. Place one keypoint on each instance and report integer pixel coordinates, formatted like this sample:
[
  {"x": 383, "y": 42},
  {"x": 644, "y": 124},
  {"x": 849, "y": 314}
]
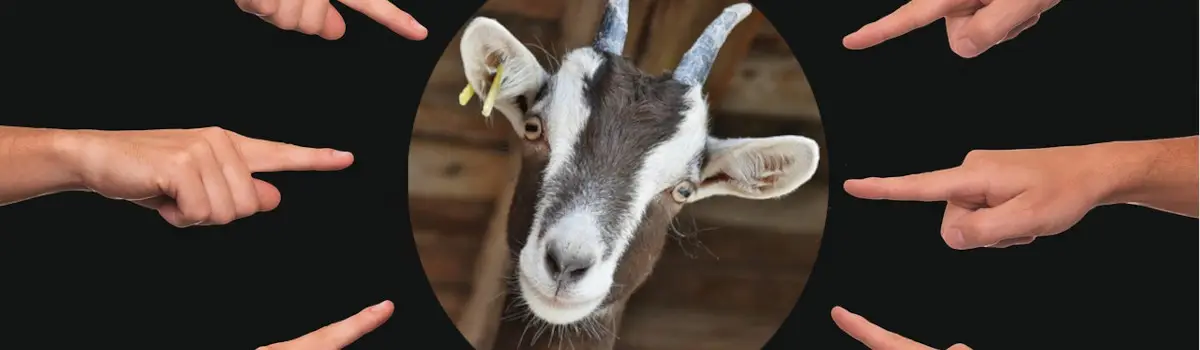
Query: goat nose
[{"x": 567, "y": 266}]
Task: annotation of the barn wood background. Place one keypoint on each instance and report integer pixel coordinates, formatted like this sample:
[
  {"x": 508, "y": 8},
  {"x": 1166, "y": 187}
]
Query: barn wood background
[{"x": 727, "y": 287}]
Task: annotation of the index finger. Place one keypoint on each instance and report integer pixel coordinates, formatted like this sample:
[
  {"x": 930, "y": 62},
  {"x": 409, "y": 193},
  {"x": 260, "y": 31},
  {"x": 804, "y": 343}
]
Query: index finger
[
  {"x": 869, "y": 334},
  {"x": 934, "y": 186},
  {"x": 341, "y": 334},
  {"x": 912, "y": 15},
  {"x": 387, "y": 14},
  {"x": 271, "y": 156}
]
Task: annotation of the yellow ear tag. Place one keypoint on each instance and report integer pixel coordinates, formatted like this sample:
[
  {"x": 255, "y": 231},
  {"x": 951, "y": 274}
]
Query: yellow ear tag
[
  {"x": 465, "y": 95},
  {"x": 493, "y": 90}
]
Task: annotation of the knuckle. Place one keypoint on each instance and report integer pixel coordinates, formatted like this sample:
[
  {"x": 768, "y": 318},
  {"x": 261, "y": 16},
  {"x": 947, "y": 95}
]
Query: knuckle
[
  {"x": 223, "y": 219},
  {"x": 199, "y": 148},
  {"x": 181, "y": 160},
  {"x": 285, "y": 23},
  {"x": 244, "y": 208},
  {"x": 260, "y": 7},
  {"x": 213, "y": 132},
  {"x": 311, "y": 27},
  {"x": 196, "y": 215},
  {"x": 988, "y": 35}
]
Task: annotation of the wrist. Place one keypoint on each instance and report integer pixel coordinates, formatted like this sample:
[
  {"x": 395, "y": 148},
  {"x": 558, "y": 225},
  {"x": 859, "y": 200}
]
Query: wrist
[
  {"x": 1126, "y": 165},
  {"x": 66, "y": 150}
]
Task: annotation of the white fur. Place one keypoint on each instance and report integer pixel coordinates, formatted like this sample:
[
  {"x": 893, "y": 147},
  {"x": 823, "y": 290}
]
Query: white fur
[
  {"x": 742, "y": 159},
  {"x": 565, "y": 112},
  {"x": 523, "y": 75}
]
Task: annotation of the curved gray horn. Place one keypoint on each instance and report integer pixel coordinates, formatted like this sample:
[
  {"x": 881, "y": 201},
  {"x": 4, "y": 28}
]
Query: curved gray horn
[
  {"x": 613, "y": 27},
  {"x": 697, "y": 61}
]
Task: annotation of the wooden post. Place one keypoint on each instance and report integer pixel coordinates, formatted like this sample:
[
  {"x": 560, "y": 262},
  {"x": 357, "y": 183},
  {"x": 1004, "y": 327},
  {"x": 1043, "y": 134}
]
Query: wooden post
[{"x": 481, "y": 315}]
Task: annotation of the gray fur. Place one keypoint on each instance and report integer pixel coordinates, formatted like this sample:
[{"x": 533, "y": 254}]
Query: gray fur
[{"x": 631, "y": 113}]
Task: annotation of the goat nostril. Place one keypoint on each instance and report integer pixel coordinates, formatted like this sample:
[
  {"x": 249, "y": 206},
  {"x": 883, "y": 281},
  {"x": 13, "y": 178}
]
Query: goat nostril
[
  {"x": 552, "y": 264},
  {"x": 577, "y": 272}
]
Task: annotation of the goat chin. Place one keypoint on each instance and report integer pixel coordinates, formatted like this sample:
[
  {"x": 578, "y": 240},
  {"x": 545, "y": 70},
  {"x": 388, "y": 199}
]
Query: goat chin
[{"x": 556, "y": 312}]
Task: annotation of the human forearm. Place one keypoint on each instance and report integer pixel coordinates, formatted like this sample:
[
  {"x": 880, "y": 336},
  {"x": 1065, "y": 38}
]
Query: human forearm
[
  {"x": 35, "y": 162},
  {"x": 1160, "y": 174}
]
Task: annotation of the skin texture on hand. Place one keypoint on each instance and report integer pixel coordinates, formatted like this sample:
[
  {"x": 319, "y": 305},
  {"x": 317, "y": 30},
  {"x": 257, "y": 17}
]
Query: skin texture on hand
[
  {"x": 875, "y": 337},
  {"x": 341, "y": 334},
  {"x": 972, "y": 26},
  {"x": 190, "y": 176},
  {"x": 1004, "y": 198},
  {"x": 319, "y": 17}
]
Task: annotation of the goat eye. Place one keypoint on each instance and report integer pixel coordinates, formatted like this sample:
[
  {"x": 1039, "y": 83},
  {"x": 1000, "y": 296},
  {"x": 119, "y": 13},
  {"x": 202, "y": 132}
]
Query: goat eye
[
  {"x": 533, "y": 128},
  {"x": 683, "y": 191}
]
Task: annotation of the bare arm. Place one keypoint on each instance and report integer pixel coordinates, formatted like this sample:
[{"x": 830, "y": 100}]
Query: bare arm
[
  {"x": 1160, "y": 174},
  {"x": 34, "y": 162}
]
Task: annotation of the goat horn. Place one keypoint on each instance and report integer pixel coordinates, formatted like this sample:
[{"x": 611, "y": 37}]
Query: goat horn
[
  {"x": 697, "y": 61},
  {"x": 613, "y": 27}
]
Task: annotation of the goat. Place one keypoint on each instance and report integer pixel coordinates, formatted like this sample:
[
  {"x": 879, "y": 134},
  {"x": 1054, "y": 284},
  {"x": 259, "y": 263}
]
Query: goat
[{"x": 610, "y": 154}]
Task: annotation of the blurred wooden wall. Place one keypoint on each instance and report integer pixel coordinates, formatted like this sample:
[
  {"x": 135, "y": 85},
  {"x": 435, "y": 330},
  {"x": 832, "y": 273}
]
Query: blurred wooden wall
[{"x": 726, "y": 285}]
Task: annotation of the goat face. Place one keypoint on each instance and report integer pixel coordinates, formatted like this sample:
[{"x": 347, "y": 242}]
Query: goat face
[{"x": 611, "y": 154}]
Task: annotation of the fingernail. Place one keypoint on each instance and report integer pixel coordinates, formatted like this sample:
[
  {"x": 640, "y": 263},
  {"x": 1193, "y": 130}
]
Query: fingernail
[
  {"x": 342, "y": 154},
  {"x": 378, "y": 307},
  {"x": 954, "y": 238},
  {"x": 969, "y": 48},
  {"x": 418, "y": 25}
]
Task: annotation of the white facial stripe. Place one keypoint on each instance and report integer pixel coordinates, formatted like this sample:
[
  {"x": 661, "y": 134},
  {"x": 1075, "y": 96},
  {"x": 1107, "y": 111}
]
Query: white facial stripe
[
  {"x": 565, "y": 112},
  {"x": 662, "y": 169}
]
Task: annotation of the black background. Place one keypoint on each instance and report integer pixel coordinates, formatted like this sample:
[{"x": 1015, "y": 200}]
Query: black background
[{"x": 81, "y": 270}]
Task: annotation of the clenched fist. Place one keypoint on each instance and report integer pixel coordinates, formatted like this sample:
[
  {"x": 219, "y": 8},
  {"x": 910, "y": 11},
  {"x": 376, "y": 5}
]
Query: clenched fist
[{"x": 318, "y": 17}]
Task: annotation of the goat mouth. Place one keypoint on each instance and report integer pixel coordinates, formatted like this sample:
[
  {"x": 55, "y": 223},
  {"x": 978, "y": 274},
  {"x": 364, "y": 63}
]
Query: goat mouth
[{"x": 548, "y": 300}]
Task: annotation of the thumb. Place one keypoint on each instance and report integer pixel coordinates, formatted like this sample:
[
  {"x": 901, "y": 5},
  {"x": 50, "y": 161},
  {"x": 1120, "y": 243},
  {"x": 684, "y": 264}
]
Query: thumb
[
  {"x": 334, "y": 26},
  {"x": 934, "y": 186},
  {"x": 1015, "y": 218},
  {"x": 270, "y": 156},
  {"x": 991, "y": 24}
]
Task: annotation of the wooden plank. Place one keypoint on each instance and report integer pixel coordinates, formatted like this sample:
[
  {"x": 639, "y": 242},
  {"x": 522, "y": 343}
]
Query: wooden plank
[
  {"x": 537, "y": 34},
  {"x": 721, "y": 287},
  {"x": 662, "y": 328},
  {"x": 447, "y": 215},
  {"x": 736, "y": 48},
  {"x": 539, "y": 9},
  {"x": 639, "y": 23},
  {"x": 705, "y": 244},
  {"x": 772, "y": 44},
  {"x": 440, "y": 117},
  {"x": 452, "y": 297},
  {"x": 447, "y": 257},
  {"x": 579, "y": 22},
  {"x": 482, "y": 316},
  {"x": 443, "y": 170},
  {"x": 771, "y": 86},
  {"x": 802, "y": 212}
]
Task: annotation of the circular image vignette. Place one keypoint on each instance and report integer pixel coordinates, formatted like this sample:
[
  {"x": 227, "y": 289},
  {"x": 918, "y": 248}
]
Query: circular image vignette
[{"x": 628, "y": 174}]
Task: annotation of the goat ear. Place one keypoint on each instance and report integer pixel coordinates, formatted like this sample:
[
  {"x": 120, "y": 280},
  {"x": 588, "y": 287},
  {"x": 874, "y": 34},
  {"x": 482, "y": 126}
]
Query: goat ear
[
  {"x": 757, "y": 168},
  {"x": 487, "y": 46}
]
